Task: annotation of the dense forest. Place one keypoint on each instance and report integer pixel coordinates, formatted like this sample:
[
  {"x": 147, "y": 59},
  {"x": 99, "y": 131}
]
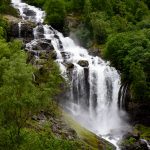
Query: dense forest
[{"x": 121, "y": 28}]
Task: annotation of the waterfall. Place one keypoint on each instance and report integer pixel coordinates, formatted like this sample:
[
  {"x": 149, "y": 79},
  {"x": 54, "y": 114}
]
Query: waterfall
[
  {"x": 94, "y": 84},
  {"x": 123, "y": 96},
  {"x": 19, "y": 26}
]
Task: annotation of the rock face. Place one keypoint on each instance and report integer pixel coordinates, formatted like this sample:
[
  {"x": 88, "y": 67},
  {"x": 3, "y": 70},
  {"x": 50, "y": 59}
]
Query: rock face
[
  {"x": 24, "y": 30},
  {"x": 139, "y": 113}
]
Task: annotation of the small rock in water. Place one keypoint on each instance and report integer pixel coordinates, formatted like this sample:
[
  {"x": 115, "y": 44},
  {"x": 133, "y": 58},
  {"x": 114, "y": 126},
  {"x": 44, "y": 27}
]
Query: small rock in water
[
  {"x": 29, "y": 12},
  {"x": 83, "y": 63}
]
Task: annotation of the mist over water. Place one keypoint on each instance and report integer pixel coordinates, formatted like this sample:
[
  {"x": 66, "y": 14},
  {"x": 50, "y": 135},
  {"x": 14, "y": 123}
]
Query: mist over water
[{"x": 94, "y": 85}]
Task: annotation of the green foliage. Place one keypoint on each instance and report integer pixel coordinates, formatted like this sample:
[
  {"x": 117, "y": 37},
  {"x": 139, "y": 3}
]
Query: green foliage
[
  {"x": 46, "y": 141},
  {"x": 78, "y": 5},
  {"x": 138, "y": 78},
  {"x": 6, "y": 8},
  {"x": 55, "y": 10},
  {"x": 129, "y": 141},
  {"x": 87, "y": 10},
  {"x": 20, "y": 96},
  {"x": 130, "y": 53},
  {"x": 144, "y": 131},
  {"x": 100, "y": 26},
  {"x": 38, "y": 3},
  {"x": 4, "y": 28}
]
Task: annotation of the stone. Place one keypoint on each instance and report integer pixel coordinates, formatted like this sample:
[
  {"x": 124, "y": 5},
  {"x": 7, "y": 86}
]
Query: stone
[
  {"x": 40, "y": 29},
  {"x": 83, "y": 63},
  {"x": 65, "y": 55},
  {"x": 70, "y": 66},
  {"x": 42, "y": 45},
  {"x": 41, "y": 116},
  {"x": 29, "y": 12},
  {"x": 34, "y": 117},
  {"x": 26, "y": 30}
]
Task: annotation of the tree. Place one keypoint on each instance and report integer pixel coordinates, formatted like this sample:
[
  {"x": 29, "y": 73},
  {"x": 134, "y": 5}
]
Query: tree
[
  {"x": 55, "y": 10},
  {"x": 20, "y": 97},
  {"x": 87, "y": 10},
  {"x": 138, "y": 86},
  {"x": 100, "y": 26}
]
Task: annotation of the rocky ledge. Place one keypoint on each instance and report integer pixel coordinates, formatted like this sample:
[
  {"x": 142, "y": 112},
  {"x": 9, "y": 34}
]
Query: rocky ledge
[{"x": 20, "y": 28}]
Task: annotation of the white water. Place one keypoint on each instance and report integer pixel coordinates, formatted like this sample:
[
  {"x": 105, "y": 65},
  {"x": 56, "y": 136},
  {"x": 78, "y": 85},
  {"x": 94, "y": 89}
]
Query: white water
[
  {"x": 148, "y": 145},
  {"x": 94, "y": 88}
]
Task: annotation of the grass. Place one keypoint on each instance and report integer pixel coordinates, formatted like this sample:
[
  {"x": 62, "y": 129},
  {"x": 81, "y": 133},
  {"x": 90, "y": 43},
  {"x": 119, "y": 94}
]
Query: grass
[
  {"x": 95, "y": 142},
  {"x": 144, "y": 131}
]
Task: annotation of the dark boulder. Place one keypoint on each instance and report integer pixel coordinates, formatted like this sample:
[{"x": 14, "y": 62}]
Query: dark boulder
[
  {"x": 40, "y": 29},
  {"x": 65, "y": 55},
  {"x": 28, "y": 12},
  {"x": 42, "y": 45},
  {"x": 14, "y": 30},
  {"x": 25, "y": 31},
  {"x": 83, "y": 63},
  {"x": 70, "y": 66}
]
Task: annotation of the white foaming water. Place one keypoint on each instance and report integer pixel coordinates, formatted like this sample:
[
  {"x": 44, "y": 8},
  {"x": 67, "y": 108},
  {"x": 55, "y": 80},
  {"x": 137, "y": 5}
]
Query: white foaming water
[
  {"x": 94, "y": 84},
  {"x": 35, "y": 14},
  {"x": 19, "y": 25}
]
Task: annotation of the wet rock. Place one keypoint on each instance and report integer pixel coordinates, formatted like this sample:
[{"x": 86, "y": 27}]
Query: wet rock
[
  {"x": 70, "y": 66},
  {"x": 94, "y": 51},
  {"x": 39, "y": 32},
  {"x": 40, "y": 29},
  {"x": 56, "y": 36},
  {"x": 28, "y": 12},
  {"x": 26, "y": 30},
  {"x": 60, "y": 43},
  {"x": 83, "y": 63},
  {"x": 65, "y": 55},
  {"x": 42, "y": 45},
  {"x": 143, "y": 144}
]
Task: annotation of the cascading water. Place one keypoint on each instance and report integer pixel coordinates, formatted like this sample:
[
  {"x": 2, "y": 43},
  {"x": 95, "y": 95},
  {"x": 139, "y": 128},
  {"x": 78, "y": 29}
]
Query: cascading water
[
  {"x": 122, "y": 96},
  {"x": 93, "y": 96},
  {"x": 19, "y": 25}
]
